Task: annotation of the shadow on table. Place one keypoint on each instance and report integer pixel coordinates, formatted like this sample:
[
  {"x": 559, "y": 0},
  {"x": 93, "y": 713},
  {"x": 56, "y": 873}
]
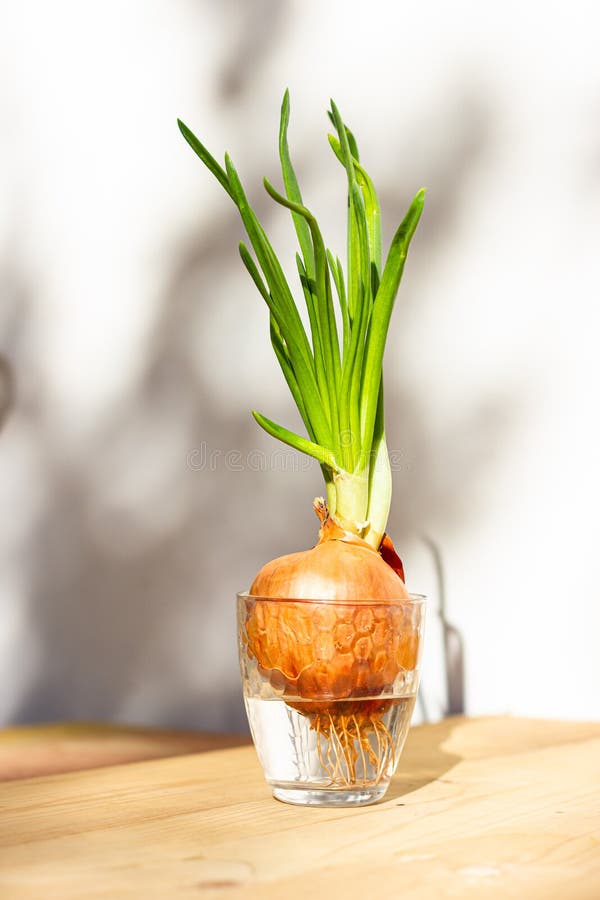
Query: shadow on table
[{"x": 423, "y": 760}]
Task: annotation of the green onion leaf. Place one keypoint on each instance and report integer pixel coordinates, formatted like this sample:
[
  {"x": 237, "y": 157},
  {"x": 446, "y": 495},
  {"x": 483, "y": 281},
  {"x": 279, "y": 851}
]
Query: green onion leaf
[
  {"x": 327, "y": 324},
  {"x": 382, "y": 311},
  {"x": 324, "y": 456},
  {"x": 292, "y": 189},
  {"x": 288, "y": 373},
  {"x": 208, "y": 160}
]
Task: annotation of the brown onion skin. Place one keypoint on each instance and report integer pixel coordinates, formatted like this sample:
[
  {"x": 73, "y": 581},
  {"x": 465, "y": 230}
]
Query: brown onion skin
[
  {"x": 340, "y": 567},
  {"x": 336, "y": 569}
]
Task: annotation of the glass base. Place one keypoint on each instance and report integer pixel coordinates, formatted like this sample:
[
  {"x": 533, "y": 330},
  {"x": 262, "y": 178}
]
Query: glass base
[{"x": 303, "y": 796}]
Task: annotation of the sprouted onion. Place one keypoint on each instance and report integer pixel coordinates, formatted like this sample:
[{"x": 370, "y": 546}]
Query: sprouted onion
[{"x": 335, "y": 377}]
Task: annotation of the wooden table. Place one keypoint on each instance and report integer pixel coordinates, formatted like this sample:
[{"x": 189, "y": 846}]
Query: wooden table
[
  {"x": 27, "y": 751},
  {"x": 483, "y": 808}
]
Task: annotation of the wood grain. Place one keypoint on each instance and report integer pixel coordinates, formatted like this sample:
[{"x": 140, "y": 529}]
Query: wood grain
[
  {"x": 487, "y": 808},
  {"x": 27, "y": 751}
]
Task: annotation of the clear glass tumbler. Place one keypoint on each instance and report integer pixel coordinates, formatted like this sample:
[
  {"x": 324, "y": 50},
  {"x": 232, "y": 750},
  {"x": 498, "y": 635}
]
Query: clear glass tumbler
[{"x": 329, "y": 689}]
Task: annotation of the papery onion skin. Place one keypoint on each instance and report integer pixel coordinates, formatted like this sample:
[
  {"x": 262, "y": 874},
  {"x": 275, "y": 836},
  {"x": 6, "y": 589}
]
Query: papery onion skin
[
  {"x": 333, "y": 570},
  {"x": 340, "y": 567}
]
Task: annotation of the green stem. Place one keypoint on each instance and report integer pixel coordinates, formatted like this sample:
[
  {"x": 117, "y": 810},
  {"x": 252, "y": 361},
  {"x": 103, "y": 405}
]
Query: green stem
[{"x": 338, "y": 390}]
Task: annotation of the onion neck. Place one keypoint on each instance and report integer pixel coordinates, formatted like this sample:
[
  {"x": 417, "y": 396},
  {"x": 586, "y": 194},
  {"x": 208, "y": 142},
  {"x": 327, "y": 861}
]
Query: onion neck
[
  {"x": 380, "y": 493},
  {"x": 360, "y": 501},
  {"x": 351, "y": 500}
]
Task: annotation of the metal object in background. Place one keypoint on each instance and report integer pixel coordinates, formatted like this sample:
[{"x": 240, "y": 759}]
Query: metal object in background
[
  {"x": 452, "y": 643},
  {"x": 6, "y": 389}
]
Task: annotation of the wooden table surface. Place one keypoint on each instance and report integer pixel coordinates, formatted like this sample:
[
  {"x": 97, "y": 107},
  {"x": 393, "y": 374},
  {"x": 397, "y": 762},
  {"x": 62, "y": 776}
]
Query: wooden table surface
[
  {"x": 481, "y": 808},
  {"x": 30, "y": 750}
]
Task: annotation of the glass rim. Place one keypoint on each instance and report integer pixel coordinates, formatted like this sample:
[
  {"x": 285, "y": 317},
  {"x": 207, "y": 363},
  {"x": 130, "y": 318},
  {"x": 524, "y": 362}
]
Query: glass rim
[{"x": 416, "y": 599}]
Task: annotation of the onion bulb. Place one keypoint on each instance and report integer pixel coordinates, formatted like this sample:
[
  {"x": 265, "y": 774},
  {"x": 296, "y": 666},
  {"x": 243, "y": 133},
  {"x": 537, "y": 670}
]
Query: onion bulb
[{"x": 353, "y": 647}]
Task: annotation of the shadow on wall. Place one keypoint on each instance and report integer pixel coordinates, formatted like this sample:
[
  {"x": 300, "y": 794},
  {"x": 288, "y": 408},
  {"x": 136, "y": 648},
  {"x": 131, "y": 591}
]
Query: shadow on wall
[{"x": 136, "y": 557}]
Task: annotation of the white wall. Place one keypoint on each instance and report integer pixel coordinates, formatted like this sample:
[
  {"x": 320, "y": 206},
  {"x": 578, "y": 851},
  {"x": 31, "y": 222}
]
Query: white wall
[{"x": 120, "y": 285}]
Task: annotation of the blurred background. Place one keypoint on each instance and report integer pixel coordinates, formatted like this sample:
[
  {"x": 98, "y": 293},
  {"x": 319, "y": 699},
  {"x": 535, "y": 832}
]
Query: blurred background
[{"x": 133, "y": 344}]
